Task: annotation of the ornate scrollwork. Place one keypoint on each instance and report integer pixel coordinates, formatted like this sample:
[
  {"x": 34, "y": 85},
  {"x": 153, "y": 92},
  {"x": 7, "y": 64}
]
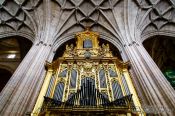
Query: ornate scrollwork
[{"x": 88, "y": 66}]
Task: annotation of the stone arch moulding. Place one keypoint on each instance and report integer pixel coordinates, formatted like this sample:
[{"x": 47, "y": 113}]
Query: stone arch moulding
[
  {"x": 112, "y": 40},
  {"x": 158, "y": 33},
  {"x": 27, "y": 36}
]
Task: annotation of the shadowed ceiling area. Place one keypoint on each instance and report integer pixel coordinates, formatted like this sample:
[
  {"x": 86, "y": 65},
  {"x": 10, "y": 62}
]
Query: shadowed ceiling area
[
  {"x": 5, "y": 76},
  {"x": 12, "y": 52},
  {"x": 162, "y": 50}
]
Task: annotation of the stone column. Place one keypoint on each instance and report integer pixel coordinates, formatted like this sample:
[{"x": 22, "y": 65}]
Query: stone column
[
  {"x": 20, "y": 93},
  {"x": 156, "y": 90}
]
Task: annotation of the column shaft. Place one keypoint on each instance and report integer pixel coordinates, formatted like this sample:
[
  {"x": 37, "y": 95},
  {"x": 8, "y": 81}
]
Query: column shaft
[
  {"x": 19, "y": 95},
  {"x": 153, "y": 85}
]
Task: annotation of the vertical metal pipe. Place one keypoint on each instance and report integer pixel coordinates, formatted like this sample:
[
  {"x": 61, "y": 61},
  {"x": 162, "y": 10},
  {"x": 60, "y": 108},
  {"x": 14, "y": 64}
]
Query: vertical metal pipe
[
  {"x": 91, "y": 95},
  {"x": 100, "y": 99},
  {"x": 75, "y": 102},
  {"x": 73, "y": 99},
  {"x": 94, "y": 99},
  {"x": 97, "y": 96},
  {"x": 87, "y": 91},
  {"x": 81, "y": 93},
  {"x": 84, "y": 94}
]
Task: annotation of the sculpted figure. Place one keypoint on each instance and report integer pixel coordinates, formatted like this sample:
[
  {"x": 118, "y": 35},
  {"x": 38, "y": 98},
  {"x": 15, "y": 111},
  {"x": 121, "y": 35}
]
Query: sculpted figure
[
  {"x": 106, "y": 51},
  {"x": 69, "y": 50}
]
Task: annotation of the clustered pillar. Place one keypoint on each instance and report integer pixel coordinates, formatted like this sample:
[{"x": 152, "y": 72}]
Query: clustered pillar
[
  {"x": 19, "y": 95},
  {"x": 157, "y": 93}
]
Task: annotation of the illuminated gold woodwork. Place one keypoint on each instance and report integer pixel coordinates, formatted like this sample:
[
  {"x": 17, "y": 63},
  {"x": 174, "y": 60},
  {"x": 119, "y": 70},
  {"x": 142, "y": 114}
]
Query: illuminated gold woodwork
[
  {"x": 66, "y": 76},
  {"x": 87, "y": 35}
]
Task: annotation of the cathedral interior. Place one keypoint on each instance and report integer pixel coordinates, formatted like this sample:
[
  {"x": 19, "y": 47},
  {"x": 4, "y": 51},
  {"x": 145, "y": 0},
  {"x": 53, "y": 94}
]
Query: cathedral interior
[{"x": 87, "y": 57}]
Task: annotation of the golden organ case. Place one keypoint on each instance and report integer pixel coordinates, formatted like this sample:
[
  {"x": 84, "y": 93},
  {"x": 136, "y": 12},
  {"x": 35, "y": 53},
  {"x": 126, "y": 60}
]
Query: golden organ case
[{"x": 87, "y": 80}]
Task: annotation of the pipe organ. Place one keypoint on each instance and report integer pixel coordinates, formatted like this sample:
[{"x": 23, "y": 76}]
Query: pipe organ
[{"x": 87, "y": 76}]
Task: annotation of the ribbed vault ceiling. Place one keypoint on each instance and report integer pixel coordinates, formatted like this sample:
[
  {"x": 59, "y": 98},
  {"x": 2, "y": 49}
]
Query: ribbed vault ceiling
[{"x": 126, "y": 20}]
